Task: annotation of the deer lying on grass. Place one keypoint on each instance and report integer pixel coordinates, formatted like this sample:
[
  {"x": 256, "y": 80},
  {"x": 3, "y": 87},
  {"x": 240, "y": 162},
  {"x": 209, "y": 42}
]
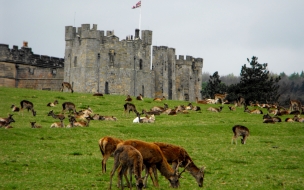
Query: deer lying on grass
[
  {"x": 128, "y": 99},
  {"x": 52, "y": 104},
  {"x": 68, "y": 106},
  {"x": 159, "y": 99},
  {"x": 146, "y": 119},
  {"x": 231, "y": 108},
  {"x": 108, "y": 118},
  {"x": 66, "y": 85},
  {"x": 239, "y": 130},
  {"x": 34, "y": 125},
  {"x": 215, "y": 109},
  {"x": 150, "y": 112},
  {"x": 4, "y": 122},
  {"x": 59, "y": 124},
  {"x": 200, "y": 101},
  {"x": 153, "y": 157},
  {"x": 56, "y": 116},
  {"x": 160, "y": 109},
  {"x": 140, "y": 97},
  {"x": 268, "y": 119},
  {"x": 25, "y": 104},
  {"x": 175, "y": 154},
  {"x": 74, "y": 123},
  {"x": 298, "y": 119},
  {"x": 15, "y": 108},
  {"x": 107, "y": 146},
  {"x": 254, "y": 111},
  {"x": 130, "y": 107},
  {"x": 127, "y": 157}
]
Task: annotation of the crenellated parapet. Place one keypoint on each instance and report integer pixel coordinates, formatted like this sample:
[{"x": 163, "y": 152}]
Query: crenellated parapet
[{"x": 25, "y": 56}]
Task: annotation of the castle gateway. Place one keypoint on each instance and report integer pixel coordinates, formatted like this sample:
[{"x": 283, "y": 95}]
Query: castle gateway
[{"x": 97, "y": 61}]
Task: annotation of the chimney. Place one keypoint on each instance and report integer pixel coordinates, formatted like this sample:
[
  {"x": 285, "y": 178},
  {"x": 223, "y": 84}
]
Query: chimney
[{"x": 25, "y": 43}]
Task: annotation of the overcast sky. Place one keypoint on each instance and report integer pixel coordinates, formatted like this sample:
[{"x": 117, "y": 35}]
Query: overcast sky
[{"x": 222, "y": 32}]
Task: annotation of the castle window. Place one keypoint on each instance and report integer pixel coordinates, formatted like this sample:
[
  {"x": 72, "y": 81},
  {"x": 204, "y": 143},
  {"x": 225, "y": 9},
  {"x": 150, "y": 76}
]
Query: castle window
[
  {"x": 31, "y": 70},
  {"x": 75, "y": 61},
  {"x": 112, "y": 57},
  {"x": 107, "y": 88},
  {"x": 140, "y": 64},
  {"x": 54, "y": 71}
]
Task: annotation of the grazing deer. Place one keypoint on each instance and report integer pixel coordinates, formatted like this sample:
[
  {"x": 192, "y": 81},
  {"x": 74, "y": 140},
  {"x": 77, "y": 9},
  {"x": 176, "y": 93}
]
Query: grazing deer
[
  {"x": 56, "y": 116},
  {"x": 68, "y": 106},
  {"x": 159, "y": 99},
  {"x": 128, "y": 99},
  {"x": 59, "y": 124},
  {"x": 127, "y": 157},
  {"x": 66, "y": 85},
  {"x": 15, "y": 108},
  {"x": 25, "y": 104},
  {"x": 200, "y": 101},
  {"x": 140, "y": 97},
  {"x": 130, "y": 107},
  {"x": 153, "y": 156},
  {"x": 107, "y": 146},
  {"x": 52, "y": 104},
  {"x": 34, "y": 125},
  {"x": 295, "y": 105},
  {"x": 4, "y": 122},
  {"x": 175, "y": 154},
  {"x": 239, "y": 130},
  {"x": 215, "y": 109},
  {"x": 221, "y": 97}
]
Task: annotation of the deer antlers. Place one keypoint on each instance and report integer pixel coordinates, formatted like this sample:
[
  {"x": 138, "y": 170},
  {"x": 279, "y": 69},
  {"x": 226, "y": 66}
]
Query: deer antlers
[{"x": 180, "y": 174}]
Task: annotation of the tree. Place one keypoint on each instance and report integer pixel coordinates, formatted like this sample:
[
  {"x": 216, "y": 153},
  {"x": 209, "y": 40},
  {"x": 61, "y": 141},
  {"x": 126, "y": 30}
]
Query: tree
[
  {"x": 214, "y": 86},
  {"x": 256, "y": 84}
]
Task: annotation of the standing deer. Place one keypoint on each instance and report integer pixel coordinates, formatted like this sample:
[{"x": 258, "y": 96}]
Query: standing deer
[
  {"x": 221, "y": 97},
  {"x": 107, "y": 146},
  {"x": 25, "y": 104},
  {"x": 66, "y": 85},
  {"x": 56, "y": 116},
  {"x": 239, "y": 130},
  {"x": 130, "y": 107},
  {"x": 175, "y": 154},
  {"x": 153, "y": 157},
  {"x": 68, "y": 106},
  {"x": 127, "y": 157}
]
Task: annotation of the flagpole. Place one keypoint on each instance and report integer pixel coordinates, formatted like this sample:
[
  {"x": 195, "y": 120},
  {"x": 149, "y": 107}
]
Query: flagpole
[{"x": 140, "y": 17}]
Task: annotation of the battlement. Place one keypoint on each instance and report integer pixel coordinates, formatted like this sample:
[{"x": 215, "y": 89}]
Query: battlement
[{"x": 25, "y": 56}]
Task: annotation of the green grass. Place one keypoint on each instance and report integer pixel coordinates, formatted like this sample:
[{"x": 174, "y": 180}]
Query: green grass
[{"x": 69, "y": 158}]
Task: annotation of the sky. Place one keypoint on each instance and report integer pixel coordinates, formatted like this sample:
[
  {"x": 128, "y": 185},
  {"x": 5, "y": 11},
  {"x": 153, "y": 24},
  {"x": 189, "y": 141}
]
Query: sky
[{"x": 222, "y": 32}]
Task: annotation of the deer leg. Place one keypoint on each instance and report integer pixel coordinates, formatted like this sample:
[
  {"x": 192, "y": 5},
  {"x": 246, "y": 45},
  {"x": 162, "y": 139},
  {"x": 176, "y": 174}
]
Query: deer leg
[
  {"x": 104, "y": 162},
  {"x": 153, "y": 170},
  {"x": 112, "y": 173}
]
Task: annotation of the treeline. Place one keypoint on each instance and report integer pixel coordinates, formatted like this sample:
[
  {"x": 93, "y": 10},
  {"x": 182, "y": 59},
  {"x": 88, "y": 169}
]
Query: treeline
[{"x": 256, "y": 84}]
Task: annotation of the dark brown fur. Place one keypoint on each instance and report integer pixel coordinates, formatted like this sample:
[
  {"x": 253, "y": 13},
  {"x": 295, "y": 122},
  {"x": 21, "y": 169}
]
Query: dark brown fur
[
  {"x": 239, "y": 130},
  {"x": 68, "y": 106},
  {"x": 66, "y": 85},
  {"x": 25, "y": 104}
]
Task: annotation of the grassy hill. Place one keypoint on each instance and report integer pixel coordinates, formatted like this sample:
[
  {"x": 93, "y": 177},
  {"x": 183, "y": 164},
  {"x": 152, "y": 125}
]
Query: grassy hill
[{"x": 69, "y": 158}]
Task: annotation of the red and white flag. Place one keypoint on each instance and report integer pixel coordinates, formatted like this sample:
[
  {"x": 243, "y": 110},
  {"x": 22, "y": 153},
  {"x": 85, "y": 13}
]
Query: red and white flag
[{"x": 137, "y": 5}]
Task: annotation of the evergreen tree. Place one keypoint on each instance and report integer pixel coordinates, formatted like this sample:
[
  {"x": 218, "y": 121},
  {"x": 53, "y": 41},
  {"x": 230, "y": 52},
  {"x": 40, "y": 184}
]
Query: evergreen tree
[
  {"x": 255, "y": 84},
  {"x": 214, "y": 86}
]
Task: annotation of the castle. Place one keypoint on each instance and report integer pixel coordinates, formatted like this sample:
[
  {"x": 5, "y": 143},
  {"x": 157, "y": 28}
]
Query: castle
[{"x": 97, "y": 61}]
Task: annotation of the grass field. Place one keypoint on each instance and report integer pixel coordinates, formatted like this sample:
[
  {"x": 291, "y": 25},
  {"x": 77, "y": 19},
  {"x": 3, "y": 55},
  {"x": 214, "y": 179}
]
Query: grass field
[{"x": 69, "y": 158}]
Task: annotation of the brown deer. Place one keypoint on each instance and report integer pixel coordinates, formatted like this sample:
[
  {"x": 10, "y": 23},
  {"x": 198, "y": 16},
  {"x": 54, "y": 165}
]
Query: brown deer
[
  {"x": 15, "y": 108},
  {"x": 52, "y": 104},
  {"x": 254, "y": 111},
  {"x": 130, "y": 107},
  {"x": 150, "y": 112},
  {"x": 231, "y": 108},
  {"x": 221, "y": 97},
  {"x": 66, "y": 85},
  {"x": 160, "y": 109},
  {"x": 215, "y": 109},
  {"x": 159, "y": 99},
  {"x": 268, "y": 119},
  {"x": 239, "y": 130},
  {"x": 35, "y": 125},
  {"x": 25, "y": 104},
  {"x": 175, "y": 154},
  {"x": 153, "y": 157},
  {"x": 4, "y": 122},
  {"x": 128, "y": 99},
  {"x": 295, "y": 105},
  {"x": 108, "y": 118},
  {"x": 75, "y": 123},
  {"x": 56, "y": 116},
  {"x": 140, "y": 97},
  {"x": 68, "y": 106},
  {"x": 59, "y": 124},
  {"x": 107, "y": 146},
  {"x": 126, "y": 158},
  {"x": 200, "y": 101}
]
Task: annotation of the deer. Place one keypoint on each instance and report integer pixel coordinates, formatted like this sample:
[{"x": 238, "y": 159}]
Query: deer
[
  {"x": 267, "y": 119},
  {"x": 146, "y": 119},
  {"x": 25, "y": 104},
  {"x": 56, "y": 116},
  {"x": 15, "y": 108},
  {"x": 215, "y": 109},
  {"x": 254, "y": 111},
  {"x": 128, "y": 99},
  {"x": 298, "y": 119},
  {"x": 66, "y": 85},
  {"x": 159, "y": 99},
  {"x": 153, "y": 157},
  {"x": 175, "y": 154},
  {"x": 108, "y": 118},
  {"x": 150, "y": 112},
  {"x": 130, "y": 107},
  {"x": 35, "y": 125},
  {"x": 126, "y": 158},
  {"x": 107, "y": 146},
  {"x": 52, "y": 104},
  {"x": 200, "y": 101},
  {"x": 221, "y": 97},
  {"x": 68, "y": 106},
  {"x": 160, "y": 109},
  {"x": 239, "y": 130},
  {"x": 59, "y": 124},
  {"x": 295, "y": 105},
  {"x": 4, "y": 122},
  {"x": 140, "y": 97},
  {"x": 75, "y": 123}
]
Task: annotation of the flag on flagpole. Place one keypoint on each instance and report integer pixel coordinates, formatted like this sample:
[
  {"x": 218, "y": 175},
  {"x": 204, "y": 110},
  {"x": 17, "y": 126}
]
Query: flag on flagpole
[{"x": 137, "y": 5}]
